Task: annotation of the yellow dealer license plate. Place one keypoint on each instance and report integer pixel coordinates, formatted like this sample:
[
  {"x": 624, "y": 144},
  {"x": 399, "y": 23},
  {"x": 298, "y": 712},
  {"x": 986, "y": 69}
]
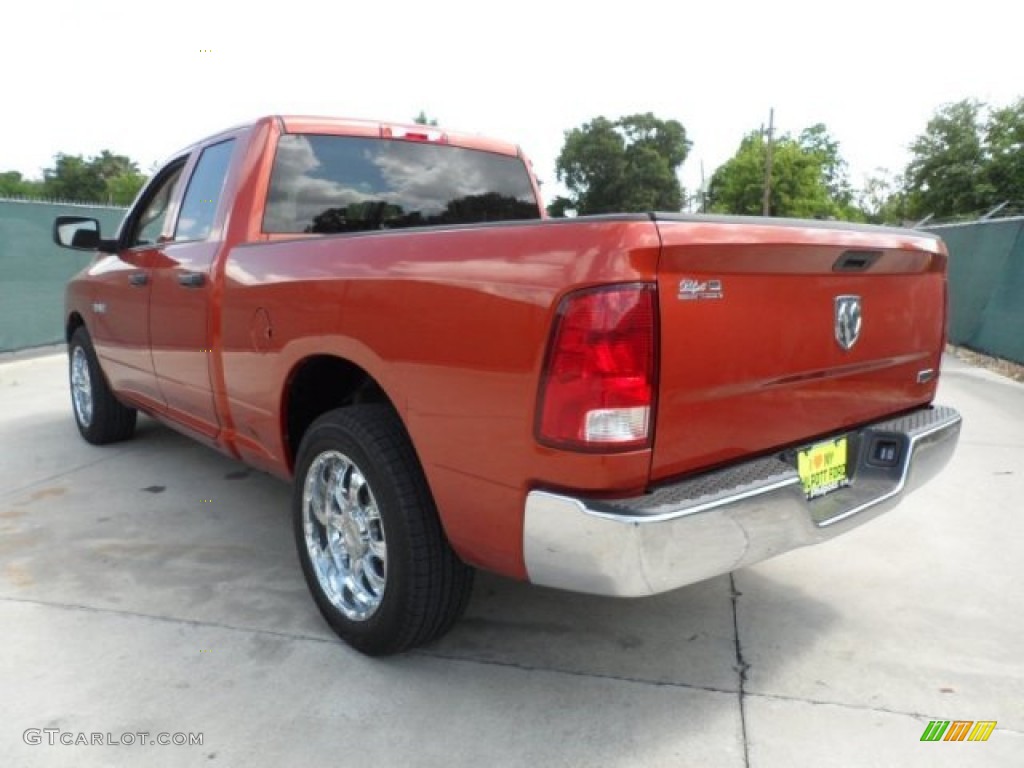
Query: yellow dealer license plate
[{"x": 822, "y": 467}]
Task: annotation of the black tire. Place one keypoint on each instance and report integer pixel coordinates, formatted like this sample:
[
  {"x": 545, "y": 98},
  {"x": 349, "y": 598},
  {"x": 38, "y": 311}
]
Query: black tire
[
  {"x": 419, "y": 588},
  {"x": 105, "y": 419}
]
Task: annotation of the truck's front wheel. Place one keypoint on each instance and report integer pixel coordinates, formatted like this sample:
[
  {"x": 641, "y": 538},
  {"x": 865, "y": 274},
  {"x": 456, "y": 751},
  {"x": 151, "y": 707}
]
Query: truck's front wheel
[
  {"x": 372, "y": 548},
  {"x": 100, "y": 417}
]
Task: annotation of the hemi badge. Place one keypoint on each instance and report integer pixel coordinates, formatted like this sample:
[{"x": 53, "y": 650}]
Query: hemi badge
[
  {"x": 923, "y": 377},
  {"x": 99, "y": 307},
  {"x": 695, "y": 290}
]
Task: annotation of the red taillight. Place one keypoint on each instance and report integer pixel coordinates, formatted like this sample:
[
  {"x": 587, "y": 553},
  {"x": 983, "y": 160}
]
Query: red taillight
[{"x": 598, "y": 384}]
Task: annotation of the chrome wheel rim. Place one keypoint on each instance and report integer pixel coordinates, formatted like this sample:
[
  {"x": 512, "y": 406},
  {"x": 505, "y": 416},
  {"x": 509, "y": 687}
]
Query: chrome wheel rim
[
  {"x": 81, "y": 387},
  {"x": 344, "y": 535}
]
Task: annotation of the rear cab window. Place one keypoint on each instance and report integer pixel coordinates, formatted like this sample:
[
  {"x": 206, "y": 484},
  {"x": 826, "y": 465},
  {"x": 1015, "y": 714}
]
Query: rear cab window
[{"x": 330, "y": 184}]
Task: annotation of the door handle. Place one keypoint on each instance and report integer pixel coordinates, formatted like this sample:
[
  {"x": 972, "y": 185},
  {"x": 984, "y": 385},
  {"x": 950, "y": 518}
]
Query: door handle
[
  {"x": 138, "y": 278},
  {"x": 191, "y": 279}
]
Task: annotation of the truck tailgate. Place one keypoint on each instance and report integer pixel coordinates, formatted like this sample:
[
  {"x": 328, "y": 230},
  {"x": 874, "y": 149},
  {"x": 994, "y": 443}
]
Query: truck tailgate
[{"x": 759, "y": 341}]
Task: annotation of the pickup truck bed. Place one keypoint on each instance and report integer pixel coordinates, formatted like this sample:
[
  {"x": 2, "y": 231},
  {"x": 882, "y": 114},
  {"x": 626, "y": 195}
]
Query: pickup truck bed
[{"x": 617, "y": 404}]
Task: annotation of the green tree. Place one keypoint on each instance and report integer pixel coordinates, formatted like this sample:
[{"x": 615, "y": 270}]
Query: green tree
[
  {"x": 107, "y": 165},
  {"x": 801, "y": 172},
  {"x": 12, "y": 184},
  {"x": 883, "y": 198},
  {"x": 627, "y": 165},
  {"x": 72, "y": 178},
  {"x": 422, "y": 119},
  {"x": 1004, "y": 143},
  {"x": 560, "y": 207},
  {"x": 948, "y": 172},
  {"x": 834, "y": 171},
  {"x": 122, "y": 189},
  {"x": 737, "y": 186},
  {"x": 105, "y": 178},
  {"x": 120, "y": 175}
]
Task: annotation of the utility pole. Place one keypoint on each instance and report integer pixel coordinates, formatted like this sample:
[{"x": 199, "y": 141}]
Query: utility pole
[
  {"x": 703, "y": 189},
  {"x": 766, "y": 203}
]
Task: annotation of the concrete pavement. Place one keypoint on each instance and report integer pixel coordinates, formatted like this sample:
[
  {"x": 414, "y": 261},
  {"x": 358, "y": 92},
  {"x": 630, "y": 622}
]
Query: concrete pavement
[{"x": 153, "y": 587}]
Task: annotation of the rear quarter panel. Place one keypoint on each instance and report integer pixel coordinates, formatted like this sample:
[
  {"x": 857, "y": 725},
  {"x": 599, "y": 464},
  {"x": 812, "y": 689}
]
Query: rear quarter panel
[{"x": 453, "y": 324}]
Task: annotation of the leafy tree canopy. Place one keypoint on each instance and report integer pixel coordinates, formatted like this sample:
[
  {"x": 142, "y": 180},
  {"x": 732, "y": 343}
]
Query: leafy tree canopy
[
  {"x": 73, "y": 178},
  {"x": 122, "y": 188},
  {"x": 883, "y": 199},
  {"x": 968, "y": 160},
  {"x": 808, "y": 178},
  {"x": 1004, "y": 145},
  {"x": 422, "y": 119},
  {"x": 626, "y": 165},
  {"x": 946, "y": 174},
  {"x": 817, "y": 141},
  {"x": 13, "y": 185},
  {"x": 105, "y": 178}
]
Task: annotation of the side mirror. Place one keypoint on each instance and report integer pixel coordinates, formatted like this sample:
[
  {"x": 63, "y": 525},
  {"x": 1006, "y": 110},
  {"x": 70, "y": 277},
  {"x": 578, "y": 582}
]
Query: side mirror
[
  {"x": 76, "y": 232},
  {"x": 81, "y": 234}
]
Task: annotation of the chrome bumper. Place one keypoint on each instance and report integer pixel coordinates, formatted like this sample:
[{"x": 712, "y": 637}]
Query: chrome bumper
[{"x": 723, "y": 520}]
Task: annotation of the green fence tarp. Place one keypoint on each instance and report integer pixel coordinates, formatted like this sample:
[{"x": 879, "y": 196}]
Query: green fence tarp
[
  {"x": 986, "y": 277},
  {"x": 35, "y": 270},
  {"x": 986, "y": 286}
]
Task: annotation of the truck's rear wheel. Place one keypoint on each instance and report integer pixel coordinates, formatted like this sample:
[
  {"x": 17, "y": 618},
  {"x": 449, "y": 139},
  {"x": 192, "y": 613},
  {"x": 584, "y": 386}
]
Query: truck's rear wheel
[
  {"x": 98, "y": 414},
  {"x": 372, "y": 548}
]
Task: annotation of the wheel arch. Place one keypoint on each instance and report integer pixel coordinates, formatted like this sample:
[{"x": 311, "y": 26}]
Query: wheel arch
[
  {"x": 74, "y": 322},
  {"x": 318, "y": 384}
]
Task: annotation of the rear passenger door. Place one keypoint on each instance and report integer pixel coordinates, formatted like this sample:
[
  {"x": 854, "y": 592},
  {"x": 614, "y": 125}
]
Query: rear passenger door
[{"x": 180, "y": 305}]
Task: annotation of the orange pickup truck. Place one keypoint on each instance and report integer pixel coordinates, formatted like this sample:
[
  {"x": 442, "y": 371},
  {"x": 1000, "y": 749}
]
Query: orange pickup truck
[{"x": 619, "y": 405}]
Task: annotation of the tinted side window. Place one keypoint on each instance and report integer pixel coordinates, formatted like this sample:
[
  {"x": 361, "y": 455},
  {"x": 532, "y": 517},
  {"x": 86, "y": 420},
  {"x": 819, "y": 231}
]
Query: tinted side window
[
  {"x": 148, "y": 223},
  {"x": 203, "y": 193},
  {"x": 348, "y": 184}
]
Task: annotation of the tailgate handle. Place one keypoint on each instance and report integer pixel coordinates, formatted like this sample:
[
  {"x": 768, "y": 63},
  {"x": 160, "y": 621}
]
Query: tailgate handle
[{"x": 856, "y": 261}]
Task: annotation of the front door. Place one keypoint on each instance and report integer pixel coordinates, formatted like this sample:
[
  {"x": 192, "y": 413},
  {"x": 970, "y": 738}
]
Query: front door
[{"x": 119, "y": 323}]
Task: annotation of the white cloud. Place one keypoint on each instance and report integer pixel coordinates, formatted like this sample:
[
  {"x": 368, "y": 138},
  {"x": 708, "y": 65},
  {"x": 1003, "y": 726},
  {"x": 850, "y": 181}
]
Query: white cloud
[{"x": 307, "y": 195}]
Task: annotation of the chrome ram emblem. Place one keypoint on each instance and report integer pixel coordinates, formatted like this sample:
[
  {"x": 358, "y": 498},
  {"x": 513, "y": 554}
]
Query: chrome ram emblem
[{"x": 848, "y": 320}]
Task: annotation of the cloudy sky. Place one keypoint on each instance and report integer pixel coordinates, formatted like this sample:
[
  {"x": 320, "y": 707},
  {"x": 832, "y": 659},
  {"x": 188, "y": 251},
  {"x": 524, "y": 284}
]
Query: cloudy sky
[{"x": 81, "y": 76}]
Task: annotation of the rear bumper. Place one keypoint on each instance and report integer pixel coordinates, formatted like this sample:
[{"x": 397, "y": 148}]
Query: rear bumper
[{"x": 723, "y": 520}]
